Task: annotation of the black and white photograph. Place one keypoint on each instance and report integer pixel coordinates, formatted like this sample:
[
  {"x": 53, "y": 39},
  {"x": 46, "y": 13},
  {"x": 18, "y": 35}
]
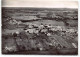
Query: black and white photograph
[{"x": 39, "y": 27}]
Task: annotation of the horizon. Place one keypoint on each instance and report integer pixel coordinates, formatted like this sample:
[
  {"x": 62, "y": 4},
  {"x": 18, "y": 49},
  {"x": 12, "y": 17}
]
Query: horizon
[{"x": 40, "y": 7}]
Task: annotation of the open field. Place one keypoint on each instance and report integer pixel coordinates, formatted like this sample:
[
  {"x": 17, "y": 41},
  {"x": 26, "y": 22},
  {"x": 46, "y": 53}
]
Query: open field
[{"x": 39, "y": 31}]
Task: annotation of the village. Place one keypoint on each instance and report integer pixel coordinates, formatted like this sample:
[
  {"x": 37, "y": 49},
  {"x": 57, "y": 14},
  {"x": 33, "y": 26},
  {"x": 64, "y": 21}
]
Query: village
[{"x": 38, "y": 33}]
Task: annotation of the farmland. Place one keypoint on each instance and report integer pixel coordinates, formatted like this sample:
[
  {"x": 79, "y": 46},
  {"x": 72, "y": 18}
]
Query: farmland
[{"x": 40, "y": 30}]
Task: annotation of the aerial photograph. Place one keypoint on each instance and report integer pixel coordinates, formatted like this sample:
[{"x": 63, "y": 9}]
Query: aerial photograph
[{"x": 40, "y": 27}]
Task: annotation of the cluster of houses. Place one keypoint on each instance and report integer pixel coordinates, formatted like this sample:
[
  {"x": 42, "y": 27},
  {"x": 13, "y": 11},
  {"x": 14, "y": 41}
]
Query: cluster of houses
[
  {"x": 43, "y": 27},
  {"x": 50, "y": 27}
]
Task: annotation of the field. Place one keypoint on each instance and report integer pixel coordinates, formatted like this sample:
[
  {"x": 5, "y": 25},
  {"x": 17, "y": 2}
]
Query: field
[{"x": 59, "y": 26}]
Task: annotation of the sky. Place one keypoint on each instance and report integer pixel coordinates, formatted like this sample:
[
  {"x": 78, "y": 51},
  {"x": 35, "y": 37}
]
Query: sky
[{"x": 41, "y": 3}]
